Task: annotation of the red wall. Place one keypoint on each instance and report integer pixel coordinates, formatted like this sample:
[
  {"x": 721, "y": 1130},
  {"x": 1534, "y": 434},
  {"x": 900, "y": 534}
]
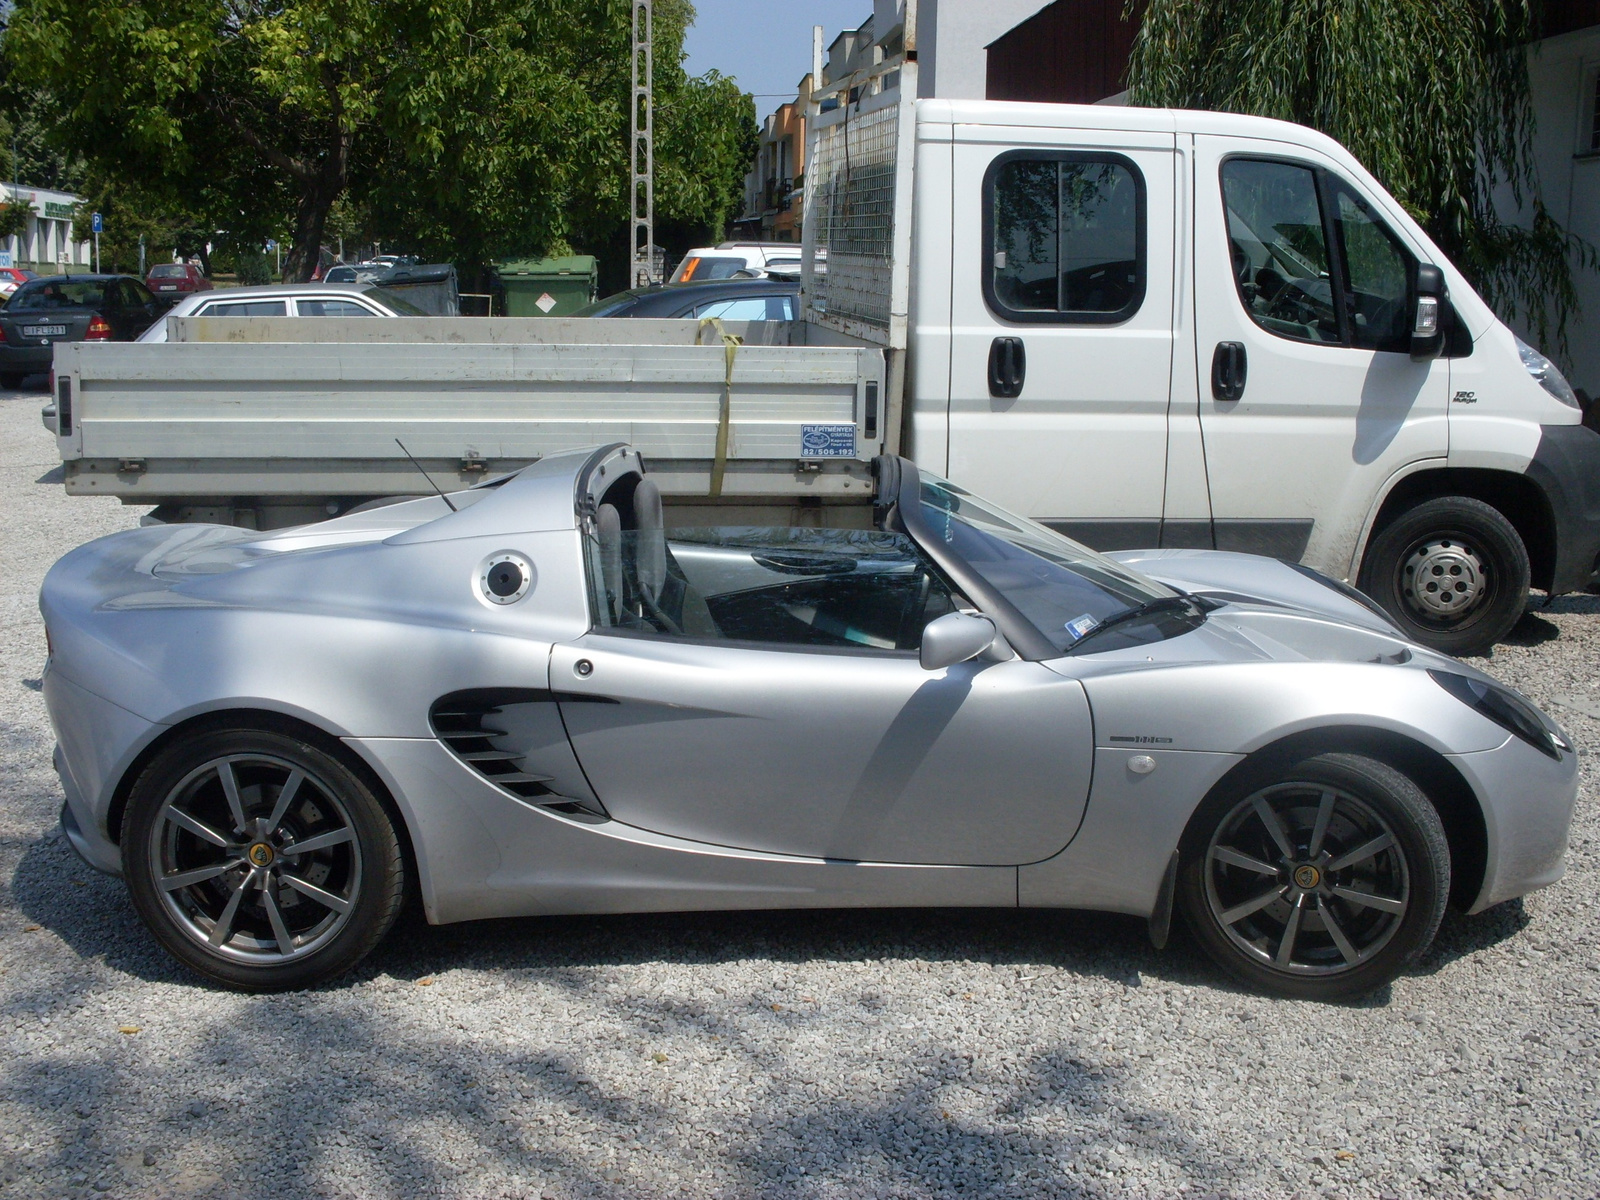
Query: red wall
[{"x": 1074, "y": 52}]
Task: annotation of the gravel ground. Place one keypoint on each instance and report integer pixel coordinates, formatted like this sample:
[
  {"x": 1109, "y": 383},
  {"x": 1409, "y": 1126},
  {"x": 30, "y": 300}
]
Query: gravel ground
[{"x": 808, "y": 1055}]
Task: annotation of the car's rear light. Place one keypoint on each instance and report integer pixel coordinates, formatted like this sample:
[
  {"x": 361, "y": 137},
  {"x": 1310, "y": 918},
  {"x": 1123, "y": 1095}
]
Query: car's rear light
[{"x": 99, "y": 329}]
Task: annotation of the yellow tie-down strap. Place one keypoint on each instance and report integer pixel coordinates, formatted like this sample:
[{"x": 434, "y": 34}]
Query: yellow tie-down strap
[{"x": 730, "y": 348}]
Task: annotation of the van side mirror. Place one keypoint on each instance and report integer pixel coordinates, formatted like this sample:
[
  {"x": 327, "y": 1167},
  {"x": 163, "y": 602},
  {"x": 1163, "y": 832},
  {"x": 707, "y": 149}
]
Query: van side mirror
[
  {"x": 1428, "y": 317},
  {"x": 955, "y": 638}
]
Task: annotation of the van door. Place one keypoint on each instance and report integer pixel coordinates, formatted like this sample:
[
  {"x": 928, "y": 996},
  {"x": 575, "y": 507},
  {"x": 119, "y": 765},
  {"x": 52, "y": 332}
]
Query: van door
[
  {"x": 1062, "y": 326},
  {"x": 1309, "y": 400}
]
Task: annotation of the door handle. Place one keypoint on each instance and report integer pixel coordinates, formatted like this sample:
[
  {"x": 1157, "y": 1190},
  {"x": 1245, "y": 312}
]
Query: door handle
[
  {"x": 1008, "y": 366},
  {"x": 1229, "y": 367}
]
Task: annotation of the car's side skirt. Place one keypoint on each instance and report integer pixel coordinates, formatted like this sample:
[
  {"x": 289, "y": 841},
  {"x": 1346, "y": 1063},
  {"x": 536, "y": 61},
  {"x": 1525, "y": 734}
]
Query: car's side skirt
[{"x": 482, "y": 852}]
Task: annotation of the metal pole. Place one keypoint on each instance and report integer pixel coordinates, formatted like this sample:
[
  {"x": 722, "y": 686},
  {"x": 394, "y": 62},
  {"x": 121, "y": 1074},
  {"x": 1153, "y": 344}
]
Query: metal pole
[
  {"x": 642, "y": 146},
  {"x": 141, "y": 256},
  {"x": 97, "y": 252}
]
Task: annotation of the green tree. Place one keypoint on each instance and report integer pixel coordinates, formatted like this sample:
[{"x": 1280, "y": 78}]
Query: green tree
[
  {"x": 466, "y": 127},
  {"x": 1432, "y": 98}
]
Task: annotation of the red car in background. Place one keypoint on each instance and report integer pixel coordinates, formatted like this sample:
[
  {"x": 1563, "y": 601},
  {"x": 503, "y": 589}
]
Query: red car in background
[
  {"x": 11, "y": 278},
  {"x": 176, "y": 279}
]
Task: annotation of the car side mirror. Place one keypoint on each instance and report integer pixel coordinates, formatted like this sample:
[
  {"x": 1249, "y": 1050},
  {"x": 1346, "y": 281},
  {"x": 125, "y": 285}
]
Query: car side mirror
[
  {"x": 1428, "y": 317},
  {"x": 955, "y": 638}
]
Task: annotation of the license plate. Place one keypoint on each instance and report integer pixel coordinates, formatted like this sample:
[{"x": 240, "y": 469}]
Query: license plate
[
  {"x": 44, "y": 331},
  {"x": 167, "y": 287}
]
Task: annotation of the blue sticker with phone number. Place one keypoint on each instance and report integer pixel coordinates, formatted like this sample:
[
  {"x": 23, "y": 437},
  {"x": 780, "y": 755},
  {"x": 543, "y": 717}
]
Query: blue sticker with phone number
[{"x": 827, "y": 441}]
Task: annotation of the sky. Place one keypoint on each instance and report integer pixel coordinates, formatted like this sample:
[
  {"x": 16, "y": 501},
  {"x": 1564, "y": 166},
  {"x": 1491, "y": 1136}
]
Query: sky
[{"x": 765, "y": 44}]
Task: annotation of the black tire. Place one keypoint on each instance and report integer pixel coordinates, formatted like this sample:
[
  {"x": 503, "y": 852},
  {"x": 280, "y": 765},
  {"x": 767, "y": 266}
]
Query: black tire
[
  {"x": 282, "y": 892},
  {"x": 1370, "y": 800},
  {"x": 1463, "y": 544},
  {"x": 11, "y": 381}
]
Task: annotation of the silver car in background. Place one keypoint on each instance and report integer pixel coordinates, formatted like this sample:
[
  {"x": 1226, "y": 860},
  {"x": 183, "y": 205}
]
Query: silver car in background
[
  {"x": 288, "y": 300},
  {"x": 553, "y": 694}
]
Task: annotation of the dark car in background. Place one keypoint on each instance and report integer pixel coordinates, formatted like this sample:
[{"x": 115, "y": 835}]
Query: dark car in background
[
  {"x": 69, "y": 308},
  {"x": 728, "y": 299},
  {"x": 176, "y": 279}
]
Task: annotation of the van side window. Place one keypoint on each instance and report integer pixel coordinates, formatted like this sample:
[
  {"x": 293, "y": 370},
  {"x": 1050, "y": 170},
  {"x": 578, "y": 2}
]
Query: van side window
[
  {"x": 1312, "y": 261},
  {"x": 1377, "y": 278},
  {"x": 1065, "y": 236},
  {"x": 1280, "y": 249}
]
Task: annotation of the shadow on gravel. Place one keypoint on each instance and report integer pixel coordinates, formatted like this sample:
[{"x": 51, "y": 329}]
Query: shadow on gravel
[
  {"x": 1460, "y": 935},
  {"x": 301, "y": 1093},
  {"x": 55, "y": 475},
  {"x": 1532, "y": 630}
]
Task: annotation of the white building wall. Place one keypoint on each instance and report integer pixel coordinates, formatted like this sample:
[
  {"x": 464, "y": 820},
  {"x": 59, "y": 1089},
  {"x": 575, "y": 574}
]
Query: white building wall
[
  {"x": 953, "y": 38},
  {"x": 1562, "y": 72}
]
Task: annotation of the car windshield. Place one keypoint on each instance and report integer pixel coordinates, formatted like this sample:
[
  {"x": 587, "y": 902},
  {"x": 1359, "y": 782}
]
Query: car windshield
[
  {"x": 697, "y": 269},
  {"x": 1064, "y": 589},
  {"x": 398, "y": 305},
  {"x": 169, "y": 271},
  {"x": 44, "y": 294}
]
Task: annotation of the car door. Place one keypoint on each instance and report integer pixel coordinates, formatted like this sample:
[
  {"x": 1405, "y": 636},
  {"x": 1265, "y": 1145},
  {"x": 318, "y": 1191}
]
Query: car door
[
  {"x": 139, "y": 309},
  {"x": 1304, "y": 281},
  {"x": 1062, "y": 326},
  {"x": 791, "y": 714}
]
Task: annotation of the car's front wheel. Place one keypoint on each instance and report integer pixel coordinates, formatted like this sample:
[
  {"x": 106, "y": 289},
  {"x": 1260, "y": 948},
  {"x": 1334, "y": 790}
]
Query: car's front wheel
[
  {"x": 1322, "y": 879},
  {"x": 261, "y": 860}
]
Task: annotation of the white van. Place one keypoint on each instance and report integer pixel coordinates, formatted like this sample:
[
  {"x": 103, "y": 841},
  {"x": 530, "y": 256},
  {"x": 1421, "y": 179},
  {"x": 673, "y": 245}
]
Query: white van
[
  {"x": 1149, "y": 329},
  {"x": 729, "y": 260}
]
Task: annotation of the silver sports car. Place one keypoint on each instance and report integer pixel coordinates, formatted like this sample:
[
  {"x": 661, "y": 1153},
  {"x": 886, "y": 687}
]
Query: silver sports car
[{"x": 552, "y": 694}]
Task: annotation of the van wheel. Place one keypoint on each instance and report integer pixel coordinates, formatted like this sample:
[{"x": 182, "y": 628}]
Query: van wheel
[{"x": 1452, "y": 572}]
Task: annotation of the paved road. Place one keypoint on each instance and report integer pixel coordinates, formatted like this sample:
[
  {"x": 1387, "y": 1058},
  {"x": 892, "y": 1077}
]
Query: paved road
[{"x": 812, "y": 1055}]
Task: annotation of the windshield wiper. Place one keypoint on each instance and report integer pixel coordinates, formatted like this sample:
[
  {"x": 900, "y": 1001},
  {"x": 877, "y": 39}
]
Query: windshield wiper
[{"x": 1150, "y": 608}]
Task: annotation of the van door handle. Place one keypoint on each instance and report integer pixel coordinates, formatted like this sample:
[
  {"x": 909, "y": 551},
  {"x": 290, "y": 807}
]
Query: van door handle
[
  {"x": 1229, "y": 367},
  {"x": 1008, "y": 366}
]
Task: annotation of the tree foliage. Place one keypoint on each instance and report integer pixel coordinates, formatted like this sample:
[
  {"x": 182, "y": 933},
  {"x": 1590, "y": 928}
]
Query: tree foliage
[
  {"x": 462, "y": 128},
  {"x": 1432, "y": 98}
]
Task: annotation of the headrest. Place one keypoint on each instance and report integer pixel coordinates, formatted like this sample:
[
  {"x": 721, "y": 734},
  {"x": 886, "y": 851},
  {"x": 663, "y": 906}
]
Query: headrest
[
  {"x": 651, "y": 554},
  {"x": 608, "y": 530}
]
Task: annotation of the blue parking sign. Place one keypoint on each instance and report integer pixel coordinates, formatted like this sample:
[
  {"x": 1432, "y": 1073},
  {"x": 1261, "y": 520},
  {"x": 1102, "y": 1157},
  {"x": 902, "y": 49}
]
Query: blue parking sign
[{"x": 95, "y": 219}]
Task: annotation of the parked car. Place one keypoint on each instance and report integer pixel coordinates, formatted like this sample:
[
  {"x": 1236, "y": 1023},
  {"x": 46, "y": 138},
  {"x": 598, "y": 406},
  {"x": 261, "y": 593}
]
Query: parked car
[
  {"x": 69, "y": 308},
  {"x": 729, "y": 299},
  {"x": 176, "y": 279},
  {"x": 730, "y": 260},
  {"x": 541, "y": 696},
  {"x": 11, "y": 278},
  {"x": 289, "y": 300}
]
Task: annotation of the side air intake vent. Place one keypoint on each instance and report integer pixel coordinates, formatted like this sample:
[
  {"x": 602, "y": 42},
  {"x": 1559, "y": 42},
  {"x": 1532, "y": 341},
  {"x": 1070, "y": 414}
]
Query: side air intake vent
[{"x": 481, "y": 729}]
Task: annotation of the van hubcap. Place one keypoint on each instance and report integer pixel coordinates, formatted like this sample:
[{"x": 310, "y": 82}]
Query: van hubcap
[{"x": 1443, "y": 578}]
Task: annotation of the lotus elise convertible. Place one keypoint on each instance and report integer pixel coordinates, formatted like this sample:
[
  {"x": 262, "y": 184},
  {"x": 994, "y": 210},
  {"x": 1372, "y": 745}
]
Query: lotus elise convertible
[{"x": 553, "y": 693}]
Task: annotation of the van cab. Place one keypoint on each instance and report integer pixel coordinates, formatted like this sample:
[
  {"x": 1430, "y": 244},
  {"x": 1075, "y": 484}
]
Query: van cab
[{"x": 1203, "y": 330}]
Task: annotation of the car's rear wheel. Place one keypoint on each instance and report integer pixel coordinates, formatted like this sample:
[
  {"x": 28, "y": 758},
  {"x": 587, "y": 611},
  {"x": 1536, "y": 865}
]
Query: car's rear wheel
[
  {"x": 261, "y": 860},
  {"x": 1452, "y": 572},
  {"x": 11, "y": 381},
  {"x": 1321, "y": 880}
]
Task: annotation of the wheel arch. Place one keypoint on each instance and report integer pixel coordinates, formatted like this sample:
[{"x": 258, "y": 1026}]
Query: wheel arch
[
  {"x": 267, "y": 721},
  {"x": 1446, "y": 788},
  {"x": 1514, "y": 495}
]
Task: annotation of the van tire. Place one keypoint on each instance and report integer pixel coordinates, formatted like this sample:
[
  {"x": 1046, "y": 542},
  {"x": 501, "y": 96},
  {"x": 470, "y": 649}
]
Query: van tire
[{"x": 1468, "y": 554}]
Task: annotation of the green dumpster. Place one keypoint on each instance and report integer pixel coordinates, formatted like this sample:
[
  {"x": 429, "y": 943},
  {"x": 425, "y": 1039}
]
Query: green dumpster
[{"x": 547, "y": 287}]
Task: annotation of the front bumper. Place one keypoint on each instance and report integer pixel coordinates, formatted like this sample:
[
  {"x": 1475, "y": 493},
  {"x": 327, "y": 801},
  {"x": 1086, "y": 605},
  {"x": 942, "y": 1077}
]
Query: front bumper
[
  {"x": 1566, "y": 467},
  {"x": 1527, "y": 800}
]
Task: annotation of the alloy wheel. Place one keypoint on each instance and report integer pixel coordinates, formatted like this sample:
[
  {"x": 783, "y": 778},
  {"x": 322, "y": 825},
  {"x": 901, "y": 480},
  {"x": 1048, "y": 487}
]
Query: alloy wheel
[
  {"x": 1306, "y": 879},
  {"x": 256, "y": 859}
]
